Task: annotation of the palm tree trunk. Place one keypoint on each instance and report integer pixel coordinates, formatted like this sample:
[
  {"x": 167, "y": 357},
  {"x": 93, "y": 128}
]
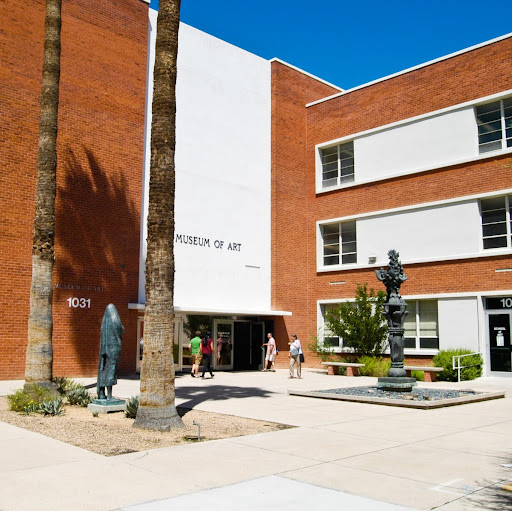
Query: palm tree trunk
[
  {"x": 156, "y": 404},
  {"x": 39, "y": 357}
]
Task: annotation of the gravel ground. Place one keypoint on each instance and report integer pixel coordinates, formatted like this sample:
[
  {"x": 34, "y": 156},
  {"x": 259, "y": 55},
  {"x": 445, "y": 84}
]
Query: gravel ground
[
  {"x": 415, "y": 394},
  {"x": 112, "y": 434}
]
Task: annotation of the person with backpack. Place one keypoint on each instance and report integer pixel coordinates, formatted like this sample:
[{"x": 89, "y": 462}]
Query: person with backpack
[{"x": 207, "y": 350}]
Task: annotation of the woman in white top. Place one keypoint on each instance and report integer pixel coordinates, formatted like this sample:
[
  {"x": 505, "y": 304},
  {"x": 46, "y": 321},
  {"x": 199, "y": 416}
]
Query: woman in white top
[{"x": 295, "y": 349}]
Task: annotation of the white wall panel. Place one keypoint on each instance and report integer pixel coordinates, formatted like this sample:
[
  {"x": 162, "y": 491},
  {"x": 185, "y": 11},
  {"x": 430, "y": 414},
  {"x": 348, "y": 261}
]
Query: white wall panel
[
  {"x": 458, "y": 323},
  {"x": 436, "y": 232},
  {"x": 222, "y": 175},
  {"x": 423, "y": 144}
]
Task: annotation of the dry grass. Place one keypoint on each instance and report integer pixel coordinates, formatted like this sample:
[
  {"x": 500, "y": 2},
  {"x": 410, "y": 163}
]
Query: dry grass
[{"x": 112, "y": 434}]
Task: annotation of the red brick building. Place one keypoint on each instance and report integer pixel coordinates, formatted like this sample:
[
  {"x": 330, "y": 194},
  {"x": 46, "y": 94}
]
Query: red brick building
[
  {"x": 100, "y": 147},
  {"x": 419, "y": 161}
]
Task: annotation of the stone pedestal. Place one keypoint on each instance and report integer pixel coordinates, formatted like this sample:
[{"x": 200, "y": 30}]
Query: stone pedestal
[
  {"x": 399, "y": 384},
  {"x": 107, "y": 405}
]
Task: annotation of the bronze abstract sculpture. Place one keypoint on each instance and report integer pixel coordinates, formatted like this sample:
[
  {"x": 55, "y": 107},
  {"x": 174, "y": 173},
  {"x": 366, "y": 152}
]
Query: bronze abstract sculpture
[{"x": 393, "y": 277}]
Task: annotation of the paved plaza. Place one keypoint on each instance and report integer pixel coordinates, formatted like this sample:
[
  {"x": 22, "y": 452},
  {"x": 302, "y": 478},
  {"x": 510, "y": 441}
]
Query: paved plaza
[{"x": 340, "y": 454}]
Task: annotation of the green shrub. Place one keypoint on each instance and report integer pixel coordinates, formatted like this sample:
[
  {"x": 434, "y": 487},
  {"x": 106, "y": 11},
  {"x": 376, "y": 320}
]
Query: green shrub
[
  {"x": 30, "y": 395},
  {"x": 419, "y": 375},
  {"x": 79, "y": 396},
  {"x": 444, "y": 359},
  {"x": 374, "y": 366},
  {"x": 342, "y": 371},
  {"x": 31, "y": 408},
  {"x": 132, "y": 405}
]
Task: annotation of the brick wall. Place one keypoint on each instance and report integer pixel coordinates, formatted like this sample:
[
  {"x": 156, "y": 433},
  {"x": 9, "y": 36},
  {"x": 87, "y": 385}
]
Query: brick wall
[
  {"x": 296, "y": 284},
  {"x": 100, "y": 145},
  {"x": 291, "y": 91},
  {"x": 464, "y": 77}
]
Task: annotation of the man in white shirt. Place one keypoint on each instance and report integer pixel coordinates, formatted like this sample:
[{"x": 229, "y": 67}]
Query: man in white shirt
[{"x": 271, "y": 353}]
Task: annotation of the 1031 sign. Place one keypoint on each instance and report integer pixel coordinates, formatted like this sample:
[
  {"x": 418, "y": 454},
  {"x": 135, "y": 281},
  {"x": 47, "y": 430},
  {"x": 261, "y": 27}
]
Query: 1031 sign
[{"x": 79, "y": 303}]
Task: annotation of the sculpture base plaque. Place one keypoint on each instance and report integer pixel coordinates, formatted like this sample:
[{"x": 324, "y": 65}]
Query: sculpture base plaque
[
  {"x": 107, "y": 405},
  {"x": 400, "y": 384}
]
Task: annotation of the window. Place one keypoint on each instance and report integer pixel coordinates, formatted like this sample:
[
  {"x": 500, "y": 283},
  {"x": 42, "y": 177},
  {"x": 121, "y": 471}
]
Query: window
[
  {"x": 494, "y": 122},
  {"x": 329, "y": 339},
  {"x": 339, "y": 243},
  {"x": 421, "y": 328},
  {"x": 496, "y": 222},
  {"x": 337, "y": 164}
]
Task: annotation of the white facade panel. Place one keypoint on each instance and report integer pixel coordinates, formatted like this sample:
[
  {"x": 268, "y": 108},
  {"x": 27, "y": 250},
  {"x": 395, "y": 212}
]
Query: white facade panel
[
  {"x": 222, "y": 209},
  {"x": 458, "y": 323},
  {"x": 423, "y": 144},
  {"x": 429, "y": 233}
]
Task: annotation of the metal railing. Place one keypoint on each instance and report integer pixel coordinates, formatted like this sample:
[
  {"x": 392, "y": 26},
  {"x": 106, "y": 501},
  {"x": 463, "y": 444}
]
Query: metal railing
[{"x": 458, "y": 366}]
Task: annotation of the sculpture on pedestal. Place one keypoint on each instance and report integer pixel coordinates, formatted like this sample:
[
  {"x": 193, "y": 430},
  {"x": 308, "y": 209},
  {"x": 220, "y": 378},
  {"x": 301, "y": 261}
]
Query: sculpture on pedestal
[
  {"x": 393, "y": 277},
  {"x": 110, "y": 351}
]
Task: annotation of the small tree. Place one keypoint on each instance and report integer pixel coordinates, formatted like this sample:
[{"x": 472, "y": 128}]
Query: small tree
[{"x": 361, "y": 323}]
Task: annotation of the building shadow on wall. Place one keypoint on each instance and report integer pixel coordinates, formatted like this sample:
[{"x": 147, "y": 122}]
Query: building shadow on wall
[{"x": 97, "y": 256}]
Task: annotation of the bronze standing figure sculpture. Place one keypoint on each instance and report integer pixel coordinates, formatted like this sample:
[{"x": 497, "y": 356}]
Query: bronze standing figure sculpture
[{"x": 110, "y": 351}]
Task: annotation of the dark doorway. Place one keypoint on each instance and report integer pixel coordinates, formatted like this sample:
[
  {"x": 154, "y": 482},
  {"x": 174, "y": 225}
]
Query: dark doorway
[
  {"x": 242, "y": 351},
  {"x": 257, "y": 340}
]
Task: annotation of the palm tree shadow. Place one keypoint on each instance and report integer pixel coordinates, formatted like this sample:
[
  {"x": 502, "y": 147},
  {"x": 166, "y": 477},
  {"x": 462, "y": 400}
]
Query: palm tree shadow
[
  {"x": 97, "y": 249},
  {"x": 197, "y": 395},
  {"x": 494, "y": 495}
]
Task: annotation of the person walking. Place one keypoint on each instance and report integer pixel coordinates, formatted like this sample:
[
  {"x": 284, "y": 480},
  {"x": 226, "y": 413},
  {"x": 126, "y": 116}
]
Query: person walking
[
  {"x": 195, "y": 349},
  {"x": 271, "y": 353},
  {"x": 295, "y": 349},
  {"x": 207, "y": 350}
]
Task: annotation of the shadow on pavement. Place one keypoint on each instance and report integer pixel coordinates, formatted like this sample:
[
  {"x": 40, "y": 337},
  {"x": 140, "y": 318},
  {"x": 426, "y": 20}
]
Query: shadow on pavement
[
  {"x": 496, "y": 496},
  {"x": 196, "y": 395}
]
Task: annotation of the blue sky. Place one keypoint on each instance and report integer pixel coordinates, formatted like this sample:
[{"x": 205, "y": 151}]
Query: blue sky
[{"x": 350, "y": 43}]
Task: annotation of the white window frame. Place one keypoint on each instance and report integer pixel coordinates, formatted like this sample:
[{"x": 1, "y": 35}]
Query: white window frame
[
  {"x": 417, "y": 348},
  {"x": 503, "y": 95},
  {"x": 340, "y": 180},
  {"x": 324, "y": 332},
  {"x": 503, "y": 127},
  {"x": 321, "y": 246},
  {"x": 508, "y": 220}
]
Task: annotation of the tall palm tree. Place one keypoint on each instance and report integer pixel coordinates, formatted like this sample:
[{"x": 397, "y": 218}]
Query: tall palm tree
[
  {"x": 157, "y": 409},
  {"x": 39, "y": 357}
]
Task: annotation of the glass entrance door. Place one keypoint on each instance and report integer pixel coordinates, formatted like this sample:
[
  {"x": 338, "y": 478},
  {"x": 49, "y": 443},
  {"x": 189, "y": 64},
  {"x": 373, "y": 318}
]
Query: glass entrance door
[
  {"x": 223, "y": 344},
  {"x": 499, "y": 341}
]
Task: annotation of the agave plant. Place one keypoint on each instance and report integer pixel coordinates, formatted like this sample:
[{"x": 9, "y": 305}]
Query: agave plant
[
  {"x": 79, "y": 396},
  {"x": 63, "y": 384},
  {"x": 53, "y": 408},
  {"x": 132, "y": 405}
]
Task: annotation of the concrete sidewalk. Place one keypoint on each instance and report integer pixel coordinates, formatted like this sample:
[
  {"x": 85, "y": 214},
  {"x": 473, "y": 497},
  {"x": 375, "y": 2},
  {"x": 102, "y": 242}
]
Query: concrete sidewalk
[{"x": 356, "y": 456}]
